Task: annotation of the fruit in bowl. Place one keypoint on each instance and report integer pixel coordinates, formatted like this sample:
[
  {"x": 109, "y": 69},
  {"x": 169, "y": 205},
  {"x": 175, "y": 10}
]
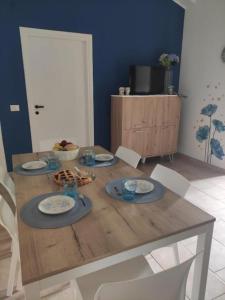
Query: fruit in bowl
[{"x": 66, "y": 150}]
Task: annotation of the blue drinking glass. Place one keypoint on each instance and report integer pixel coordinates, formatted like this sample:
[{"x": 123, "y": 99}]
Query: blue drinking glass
[
  {"x": 129, "y": 189},
  {"x": 89, "y": 157},
  {"x": 53, "y": 162},
  {"x": 70, "y": 189}
]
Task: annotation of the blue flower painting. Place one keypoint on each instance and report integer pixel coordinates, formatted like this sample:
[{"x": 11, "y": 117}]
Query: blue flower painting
[
  {"x": 203, "y": 133},
  {"x": 207, "y": 133},
  {"x": 209, "y": 110},
  {"x": 216, "y": 148},
  {"x": 219, "y": 126}
]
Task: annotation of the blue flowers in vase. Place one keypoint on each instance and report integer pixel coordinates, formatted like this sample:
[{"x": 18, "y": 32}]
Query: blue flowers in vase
[{"x": 207, "y": 134}]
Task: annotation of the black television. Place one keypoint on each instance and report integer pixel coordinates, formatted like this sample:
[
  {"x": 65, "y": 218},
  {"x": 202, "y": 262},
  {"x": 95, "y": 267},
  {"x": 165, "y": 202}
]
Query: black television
[{"x": 146, "y": 80}]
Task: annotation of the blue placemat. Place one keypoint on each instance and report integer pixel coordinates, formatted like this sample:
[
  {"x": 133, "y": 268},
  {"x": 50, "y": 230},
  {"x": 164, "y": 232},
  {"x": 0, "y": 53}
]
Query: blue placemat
[
  {"x": 155, "y": 195},
  {"x": 19, "y": 170},
  {"x": 31, "y": 215},
  {"x": 99, "y": 164}
]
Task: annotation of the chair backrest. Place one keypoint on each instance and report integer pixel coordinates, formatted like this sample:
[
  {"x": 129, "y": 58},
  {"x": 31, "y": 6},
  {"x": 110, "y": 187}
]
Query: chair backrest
[
  {"x": 6, "y": 179},
  {"x": 129, "y": 156},
  {"x": 8, "y": 220},
  {"x": 171, "y": 179},
  {"x": 166, "y": 285},
  {"x": 7, "y": 188}
]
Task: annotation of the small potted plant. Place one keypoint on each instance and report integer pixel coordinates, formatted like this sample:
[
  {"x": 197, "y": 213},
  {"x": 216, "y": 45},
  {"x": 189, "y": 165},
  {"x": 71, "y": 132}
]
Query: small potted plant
[{"x": 168, "y": 61}]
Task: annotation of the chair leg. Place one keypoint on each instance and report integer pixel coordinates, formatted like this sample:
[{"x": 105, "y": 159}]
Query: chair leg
[
  {"x": 19, "y": 285},
  {"x": 176, "y": 253},
  {"x": 12, "y": 273}
]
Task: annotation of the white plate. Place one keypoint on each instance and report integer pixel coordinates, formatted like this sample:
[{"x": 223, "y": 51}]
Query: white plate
[
  {"x": 104, "y": 157},
  {"x": 34, "y": 165},
  {"x": 56, "y": 204},
  {"x": 143, "y": 186}
]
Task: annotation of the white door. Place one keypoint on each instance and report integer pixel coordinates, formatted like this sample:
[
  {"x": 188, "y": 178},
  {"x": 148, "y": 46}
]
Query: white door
[{"x": 59, "y": 84}]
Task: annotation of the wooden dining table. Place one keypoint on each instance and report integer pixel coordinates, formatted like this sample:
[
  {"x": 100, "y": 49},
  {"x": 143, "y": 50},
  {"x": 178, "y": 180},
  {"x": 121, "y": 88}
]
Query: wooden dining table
[{"x": 114, "y": 231}]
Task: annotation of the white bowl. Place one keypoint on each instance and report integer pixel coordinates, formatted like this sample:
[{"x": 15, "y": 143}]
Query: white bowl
[{"x": 67, "y": 155}]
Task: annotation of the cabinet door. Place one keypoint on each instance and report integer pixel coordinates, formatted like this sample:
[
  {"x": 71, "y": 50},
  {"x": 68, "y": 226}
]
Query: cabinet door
[
  {"x": 169, "y": 136},
  {"x": 153, "y": 111},
  {"x": 135, "y": 140},
  {"x": 134, "y": 113},
  {"x": 153, "y": 141},
  {"x": 171, "y": 110}
]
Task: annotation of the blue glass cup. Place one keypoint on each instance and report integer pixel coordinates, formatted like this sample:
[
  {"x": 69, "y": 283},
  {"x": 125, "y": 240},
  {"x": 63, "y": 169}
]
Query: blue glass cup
[
  {"x": 89, "y": 157},
  {"x": 129, "y": 189},
  {"x": 70, "y": 189},
  {"x": 53, "y": 162}
]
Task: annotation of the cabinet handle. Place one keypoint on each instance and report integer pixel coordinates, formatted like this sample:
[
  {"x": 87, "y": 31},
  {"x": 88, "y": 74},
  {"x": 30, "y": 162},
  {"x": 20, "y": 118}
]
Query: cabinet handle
[{"x": 138, "y": 130}]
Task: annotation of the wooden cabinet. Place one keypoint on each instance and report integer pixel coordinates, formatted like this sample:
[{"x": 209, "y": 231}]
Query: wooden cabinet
[{"x": 146, "y": 124}]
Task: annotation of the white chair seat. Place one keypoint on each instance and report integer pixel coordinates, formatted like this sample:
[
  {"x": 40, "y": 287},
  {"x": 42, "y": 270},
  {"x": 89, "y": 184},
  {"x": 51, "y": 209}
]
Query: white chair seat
[{"x": 131, "y": 269}]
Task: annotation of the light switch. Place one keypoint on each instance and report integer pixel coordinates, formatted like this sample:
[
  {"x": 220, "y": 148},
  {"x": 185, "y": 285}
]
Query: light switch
[{"x": 14, "y": 107}]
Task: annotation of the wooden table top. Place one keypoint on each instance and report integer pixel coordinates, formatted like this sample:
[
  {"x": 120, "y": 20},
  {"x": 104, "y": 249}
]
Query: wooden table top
[{"x": 112, "y": 226}]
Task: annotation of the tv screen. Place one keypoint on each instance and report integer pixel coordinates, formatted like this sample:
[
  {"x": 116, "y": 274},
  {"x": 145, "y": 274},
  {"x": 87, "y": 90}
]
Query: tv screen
[{"x": 146, "y": 80}]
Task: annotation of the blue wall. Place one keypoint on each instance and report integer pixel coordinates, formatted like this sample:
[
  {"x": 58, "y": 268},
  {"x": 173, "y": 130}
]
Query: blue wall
[{"x": 124, "y": 32}]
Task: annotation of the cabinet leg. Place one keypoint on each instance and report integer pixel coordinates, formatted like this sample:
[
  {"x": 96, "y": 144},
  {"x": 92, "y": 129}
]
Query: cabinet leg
[
  {"x": 171, "y": 157},
  {"x": 143, "y": 160}
]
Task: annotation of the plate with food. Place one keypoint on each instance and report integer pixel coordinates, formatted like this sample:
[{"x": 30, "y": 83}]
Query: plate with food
[
  {"x": 55, "y": 205},
  {"x": 34, "y": 165},
  {"x": 104, "y": 157},
  {"x": 143, "y": 186}
]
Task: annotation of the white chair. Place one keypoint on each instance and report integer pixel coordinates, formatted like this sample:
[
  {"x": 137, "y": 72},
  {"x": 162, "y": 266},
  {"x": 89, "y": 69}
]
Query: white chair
[
  {"x": 171, "y": 179},
  {"x": 174, "y": 182},
  {"x": 130, "y": 281},
  {"x": 129, "y": 156},
  {"x": 6, "y": 179},
  {"x": 7, "y": 188},
  {"x": 131, "y": 269},
  {"x": 8, "y": 221}
]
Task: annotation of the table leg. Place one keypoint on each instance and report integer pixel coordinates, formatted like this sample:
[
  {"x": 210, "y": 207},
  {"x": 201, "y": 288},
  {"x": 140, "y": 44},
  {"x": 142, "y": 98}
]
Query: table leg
[
  {"x": 202, "y": 264},
  {"x": 32, "y": 291}
]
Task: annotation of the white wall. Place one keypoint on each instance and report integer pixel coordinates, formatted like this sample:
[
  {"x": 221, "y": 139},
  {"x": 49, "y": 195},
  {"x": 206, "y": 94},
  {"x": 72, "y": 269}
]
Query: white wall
[{"x": 202, "y": 72}]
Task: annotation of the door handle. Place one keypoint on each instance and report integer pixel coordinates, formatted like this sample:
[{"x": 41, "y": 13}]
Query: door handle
[{"x": 38, "y": 106}]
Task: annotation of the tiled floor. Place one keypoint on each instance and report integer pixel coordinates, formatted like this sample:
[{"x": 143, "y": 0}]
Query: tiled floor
[{"x": 208, "y": 193}]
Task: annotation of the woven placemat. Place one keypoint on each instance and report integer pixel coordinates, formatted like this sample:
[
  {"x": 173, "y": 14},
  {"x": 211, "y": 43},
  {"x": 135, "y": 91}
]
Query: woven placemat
[
  {"x": 19, "y": 170},
  {"x": 114, "y": 189},
  {"x": 31, "y": 215}
]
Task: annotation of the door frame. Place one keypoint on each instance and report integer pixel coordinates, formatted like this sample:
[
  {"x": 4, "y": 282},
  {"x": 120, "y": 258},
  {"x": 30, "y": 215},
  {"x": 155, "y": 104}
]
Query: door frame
[
  {"x": 86, "y": 39},
  {"x": 2, "y": 150}
]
